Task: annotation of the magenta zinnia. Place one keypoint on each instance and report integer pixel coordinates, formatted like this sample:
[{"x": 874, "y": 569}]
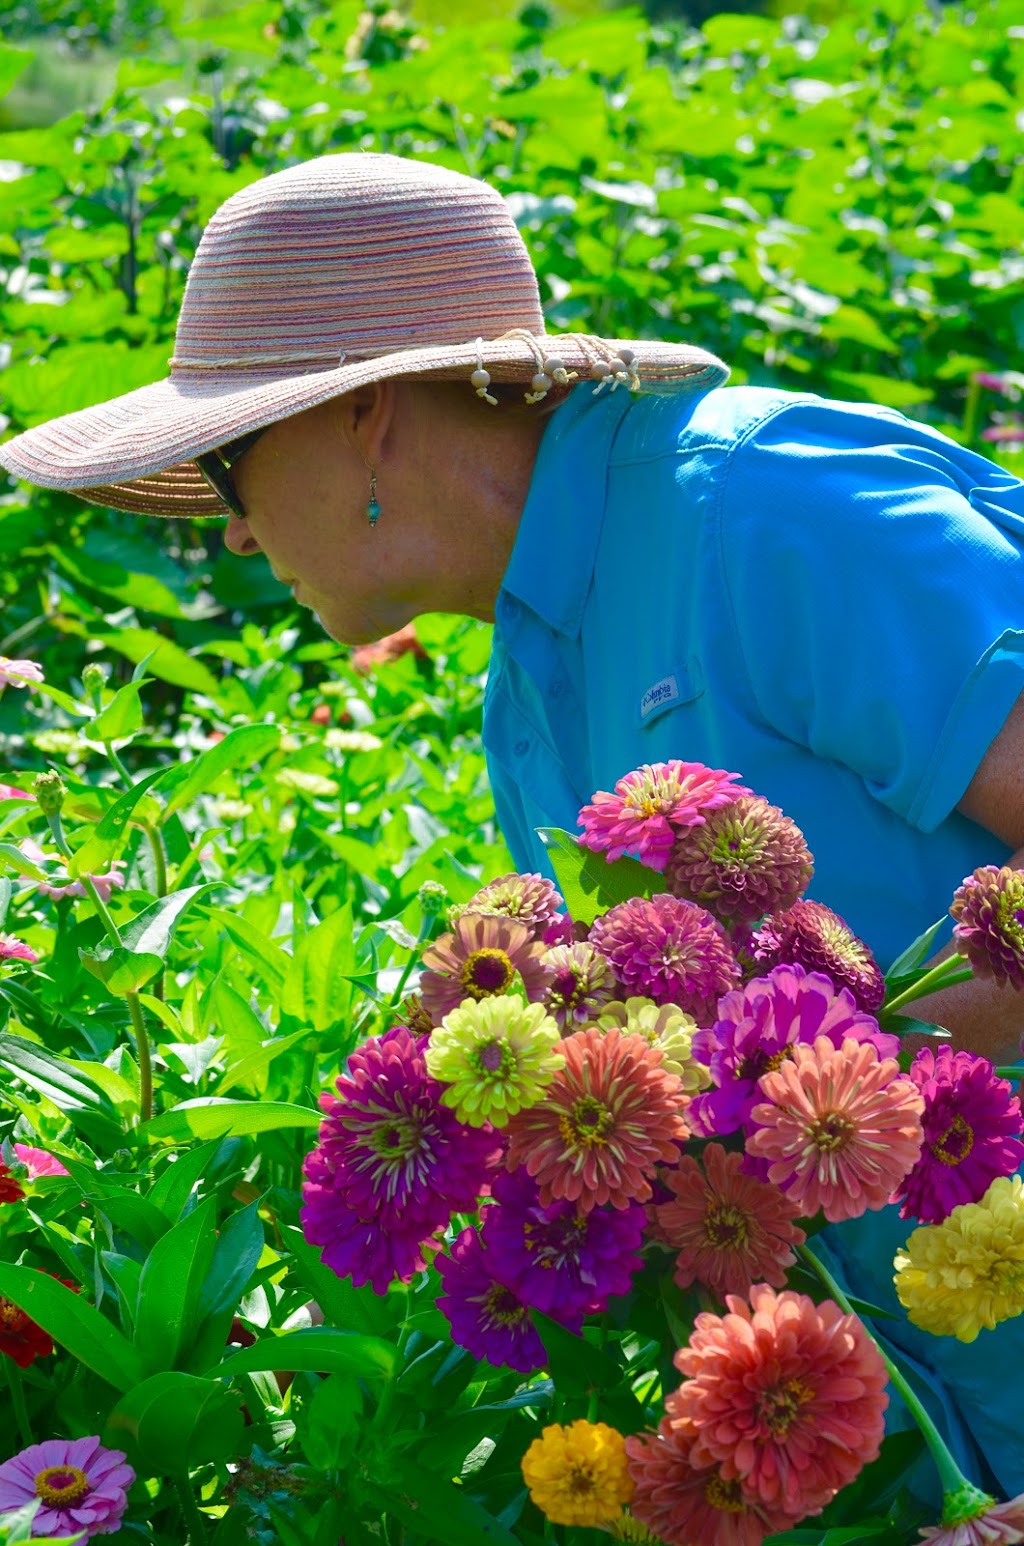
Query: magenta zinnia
[
  {"x": 82, "y": 1486},
  {"x": 668, "y": 950},
  {"x": 839, "y": 1129},
  {"x": 488, "y": 1316},
  {"x": 747, "y": 859},
  {"x": 650, "y": 805},
  {"x": 972, "y": 1133},
  {"x": 483, "y": 956},
  {"x": 12, "y": 949},
  {"x": 608, "y": 1118},
  {"x": 813, "y": 936},
  {"x": 988, "y": 910}
]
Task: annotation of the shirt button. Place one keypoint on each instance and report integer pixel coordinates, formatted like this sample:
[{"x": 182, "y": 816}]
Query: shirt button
[
  {"x": 521, "y": 748},
  {"x": 558, "y": 687},
  {"x": 509, "y": 607}
]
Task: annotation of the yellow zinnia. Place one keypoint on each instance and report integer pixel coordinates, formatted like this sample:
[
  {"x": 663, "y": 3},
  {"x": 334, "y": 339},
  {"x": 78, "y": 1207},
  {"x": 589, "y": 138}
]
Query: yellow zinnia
[
  {"x": 578, "y": 1475},
  {"x": 664, "y": 1026},
  {"x": 496, "y": 1055},
  {"x": 967, "y": 1273}
]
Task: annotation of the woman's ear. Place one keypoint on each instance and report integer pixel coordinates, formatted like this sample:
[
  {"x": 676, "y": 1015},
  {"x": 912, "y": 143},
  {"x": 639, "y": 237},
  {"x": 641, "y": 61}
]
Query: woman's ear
[{"x": 367, "y": 416}]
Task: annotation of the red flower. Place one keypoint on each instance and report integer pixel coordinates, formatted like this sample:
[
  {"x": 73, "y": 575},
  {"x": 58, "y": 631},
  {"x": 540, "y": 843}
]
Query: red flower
[
  {"x": 20, "y": 1337},
  {"x": 10, "y": 1186}
]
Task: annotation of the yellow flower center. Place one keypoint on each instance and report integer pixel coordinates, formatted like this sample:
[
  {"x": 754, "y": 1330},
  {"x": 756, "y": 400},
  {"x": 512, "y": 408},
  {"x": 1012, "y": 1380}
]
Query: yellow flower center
[
  {"x": 62, "y": 1486},
  {"x": 830, "y": 1132},
  {"x": 503, "y": 1307},
  {"x": 10, "y": 1315},
  {"x": 723, "y": 1495},
  {"x": 726, "y": 1226},
  {"x": 485, "y": 972},
  {"x": 955, "y": 1144},
  {"x": 780, "y": 1405},
  {"x": 587, "y": 1124}
]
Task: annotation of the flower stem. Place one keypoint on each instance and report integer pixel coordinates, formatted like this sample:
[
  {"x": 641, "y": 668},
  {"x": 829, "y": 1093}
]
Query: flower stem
[
  {"x": 1014, "y": 1073},
  {"x": 194, "y": 1521},
  {"x": 18, "y": 1401},
  {"x": 948, "y": 972},
  {"x": 425, "y": 930},
  {"x": 950, "y": 1474},
  {"x": 156, "y": 843}
]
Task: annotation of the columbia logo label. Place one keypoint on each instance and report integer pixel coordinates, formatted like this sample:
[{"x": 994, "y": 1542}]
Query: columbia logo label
[{"x": 656, "y": 697}]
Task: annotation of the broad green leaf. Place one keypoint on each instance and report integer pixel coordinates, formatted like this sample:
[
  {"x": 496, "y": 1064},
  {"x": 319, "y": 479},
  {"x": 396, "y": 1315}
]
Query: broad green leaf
[
  {"x": 208, "y": 1117},
  {"x": 6, "y": 892},
  {"x": 318, "y": 1348},
  {"x": 589, "y": 884},
  {"x": 121, "y": 718},
  {"x": 166, "y": 660},
  {"x": 169, "y": 1289},
  {"x": 236, "y": 1256},
  {"x": 915, "y": 954},
  {"x": 269, "y": 960},
  {"x": 432, "y": 1506},
  {"x": 173, "y": 1187},
  {"x": 152, "y": 930},
  {"x": 116, "y": 820},
  {"x": 72, "y": 706},
  {"x": 173, "y": 1422},
  {"x": 74, "y": 1323},
  {"x": 343, "y": 1305},
  {"x": 12, "y": 62},
  {"x": 316, "y": 990},
  {"x": 12, "y": 858},
  {"x": 331, "y": 1422},
  {"x": 241, "y": 747},
  {"x": 120, "y": 969}
]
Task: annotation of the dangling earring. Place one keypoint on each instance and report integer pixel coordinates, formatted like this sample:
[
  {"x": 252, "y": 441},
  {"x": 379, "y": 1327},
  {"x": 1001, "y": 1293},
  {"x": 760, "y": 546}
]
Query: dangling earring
[{"x": 373, "y": 508}]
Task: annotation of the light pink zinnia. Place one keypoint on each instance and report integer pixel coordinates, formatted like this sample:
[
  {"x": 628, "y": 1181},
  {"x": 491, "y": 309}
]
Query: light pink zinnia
[
  {"x": 649, "y": 807},
  {"x": 82, "y": 1486},
  {"x": 839, "y": 1128},
  {"x": 12, "y": 949},
  {"x": 38, "y": 1162},
  {"x": 787, "y": 1397},
  {"x": 668, "y": 950},
  {"x": 19, "y": 673},
  {"x": 990, "y": 1523},
  {"x": 104, "y": 884},
  {"x": 8, "y": 792},
  {"x": 482, "y": 956}
]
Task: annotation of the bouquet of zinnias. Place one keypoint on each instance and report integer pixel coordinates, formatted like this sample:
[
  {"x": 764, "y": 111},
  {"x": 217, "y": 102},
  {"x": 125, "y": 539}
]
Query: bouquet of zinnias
[{"x": 689, "y": 1069}]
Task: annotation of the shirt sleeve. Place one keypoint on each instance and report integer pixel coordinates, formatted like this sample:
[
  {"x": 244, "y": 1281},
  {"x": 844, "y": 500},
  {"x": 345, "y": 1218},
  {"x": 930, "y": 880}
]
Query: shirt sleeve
[{"x": 875, "y": 574}]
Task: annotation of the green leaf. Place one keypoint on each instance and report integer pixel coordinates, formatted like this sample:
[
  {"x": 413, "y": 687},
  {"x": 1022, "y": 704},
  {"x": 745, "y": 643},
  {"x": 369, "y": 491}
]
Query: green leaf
[
  {"x": 915, "y": 954},
  {"x": 241, "y": 747},
  {"x": 173, "y": 1422},
  {"x": 437, "y": 1510},
  {"x": 12, "y": 858},
  {"x": 331, "y": 1421},
  {"x": 72, "y": 1322},
  {"x": 316, "y": 990},
  {"x": 6, "y": 892},
  {"x": 64, "y": 700},
  {"x": 115, "y": 822},
  {"x": 343, "y": 1305},
  {"x": 121, "y": 718},
  {"x": 120, "y": 970},
  {"x": 321, "y": 1349},
  {"x": 236, "y": 1256},
  {"x": 166, "y": 660},
  {"x": 209, "y": 1117},
  {"x": 152, "y": 930},
  {"x": 169, "y": 1288},
  {"x": 173, "y": 1187},
  {"x": 269, "y": 960},
  {"x": 589, "y": 884}
]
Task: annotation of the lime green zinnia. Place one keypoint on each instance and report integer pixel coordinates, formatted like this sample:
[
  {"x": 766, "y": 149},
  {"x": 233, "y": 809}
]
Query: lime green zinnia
[
  {"x": 664, "y": 1026},
  {"x": 495, "y": 1054}
]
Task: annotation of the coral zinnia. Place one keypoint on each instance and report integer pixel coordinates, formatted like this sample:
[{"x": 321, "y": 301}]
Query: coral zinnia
[
  {"x": 529, "y": 899},
  {"x": 747, "y": 859},
  {"x": 684, "y": 1504},
  {"x": 840, "y": 1129},
  {"x": 488, "y": 1317},
  {"x": 650, "y": 805},
  {"x": 988, "y": 910},
  {"x": 564, "y": 1262},
  {"x": 729, "y": 1229},
  {"x": 971, "y": 1518},
  {"x": 756, "y": 1029},
  {"x": 817, "y": 938},
  {"x": 786, "y": 1396},
  {"x": 668, "y": 950},
  {"x": 972, "y": 1127},
  {"x": 494, "y": 1057},
  {"x": 967, "y": 1273},
  {"x": 664, "y": 1026},
  {"x": 607, "y": 1119},
  {"x": 482, "y": 956},
  {"x": 581, "y": 984},
  {"x": 82, "y": 1486},
  {"x": 577, "y": 1475}
]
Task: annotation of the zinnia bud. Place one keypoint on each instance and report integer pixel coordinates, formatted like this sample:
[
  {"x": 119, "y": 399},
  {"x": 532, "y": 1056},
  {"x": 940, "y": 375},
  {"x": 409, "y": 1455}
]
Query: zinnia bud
[
  {"x": 49, "y": 790},
  {"x": 94, "y": 678}
]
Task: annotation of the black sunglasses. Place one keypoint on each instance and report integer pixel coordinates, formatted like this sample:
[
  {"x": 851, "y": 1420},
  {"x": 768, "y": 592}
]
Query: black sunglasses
[{"x": 216, "y": 466}]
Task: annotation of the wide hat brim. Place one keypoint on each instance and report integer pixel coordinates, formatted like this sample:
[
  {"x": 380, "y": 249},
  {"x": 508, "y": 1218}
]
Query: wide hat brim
[{"x": 137, "y": 452}]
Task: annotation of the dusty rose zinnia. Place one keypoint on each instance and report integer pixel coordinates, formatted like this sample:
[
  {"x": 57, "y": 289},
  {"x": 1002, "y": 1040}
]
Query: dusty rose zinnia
[
  {"x": 729, "y": 1229},
  {"x": 530, "y": 899},
  {"x": 607, "y": 1119},
  {"x": 685, "y": 1504},
  {"x": 482, "y": 956},
  {"x": 839, "y": 1128},
  {"x": 785, "y": 1395},
  {"x": 972, "y": 1133},
  {"x": 988, "y": 910},
  {"x": 747, "y": 859},
  {"x": 649, "y": 806},
  {"x": 971, "y": 1517},
  {"x": 812, "y": 935},
  {"x": 82, "y": 1486},
  {"x": 582, "y": 982},
  {"x": 668, "y": 950}
]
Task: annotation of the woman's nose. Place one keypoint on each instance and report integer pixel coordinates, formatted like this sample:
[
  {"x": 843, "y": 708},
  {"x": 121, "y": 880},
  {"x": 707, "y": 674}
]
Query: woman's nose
[{"x": 238, "y": 539}]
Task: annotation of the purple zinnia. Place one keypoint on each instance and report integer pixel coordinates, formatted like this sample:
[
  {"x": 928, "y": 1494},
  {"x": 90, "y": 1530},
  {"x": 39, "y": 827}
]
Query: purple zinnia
[
  {"x": 756, "y": 1027},
  {"x": 668, "y": 950},
  {"x": 988, "y": 910},
  {"x": 811, "y": 935},
  {"x": 564, "y": 1262},
  {"x": 747, "y": 859},
  {"x": 82, "y": 1486},
  {"x": 972, "y": 1133},
  {"x": 529, "y": 899},
  {"x": 392, "y": 1162},
  {"x": 488, "y": 1316},
  {"x": 582, "y": 984}
]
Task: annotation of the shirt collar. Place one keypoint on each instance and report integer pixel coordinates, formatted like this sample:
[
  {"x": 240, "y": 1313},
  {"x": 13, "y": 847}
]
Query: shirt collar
[{"x": 552, "y": 561}]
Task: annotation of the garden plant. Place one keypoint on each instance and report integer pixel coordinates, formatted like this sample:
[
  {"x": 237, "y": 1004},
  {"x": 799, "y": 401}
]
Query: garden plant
[{"x": 239, "y": 1299}]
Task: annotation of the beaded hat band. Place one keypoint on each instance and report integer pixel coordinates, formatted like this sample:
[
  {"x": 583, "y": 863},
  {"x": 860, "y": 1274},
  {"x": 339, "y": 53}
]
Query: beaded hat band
[{"x": 341, "y": 271}]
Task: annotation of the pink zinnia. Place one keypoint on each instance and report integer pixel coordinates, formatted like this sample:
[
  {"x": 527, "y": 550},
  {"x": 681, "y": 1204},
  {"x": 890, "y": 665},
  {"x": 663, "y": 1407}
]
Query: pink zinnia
[
  {"x": 684, "y": 1504},
  {"x": 972, "y": 1518},
  {"x": 12, "y": 949},
  {"x": 608, "y": 1118},
  {"x": 746, "y": 860},
  {"x": 988, "y": 914},
  {"x": 530, "y": 899},
  {"x": 484, "y": 955},
  {"x": 8, "y": 792},
  {"x": 82, "y": 1486},
  {"x": 813, "y": 936},
  {"x": 839, "y": 1129},
  {"x": 729, "y": 1229},
  {"x": 649, "y": 807},
  {"x": 668, "y": 950},
  {"x": 786, "y": 1396},
  {"x": 19, "y": 673},
  {"x": 38, "y": 1162}
]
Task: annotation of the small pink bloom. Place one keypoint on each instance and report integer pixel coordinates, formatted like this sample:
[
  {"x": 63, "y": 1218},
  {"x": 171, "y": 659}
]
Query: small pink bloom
[
  {"x": 19, "y": 673},
  {"x": 8, "y": 792},
  {"x": 38, "y": 1162},
  {"x": 991, "y": 1523},
  {"x": 82, "y": 1486},
  {"x": 12, "y": 949}
]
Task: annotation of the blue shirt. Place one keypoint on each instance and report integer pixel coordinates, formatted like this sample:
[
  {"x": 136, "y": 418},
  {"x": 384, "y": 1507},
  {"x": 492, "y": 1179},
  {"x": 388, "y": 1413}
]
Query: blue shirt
[{"x": 824, "y": 597}]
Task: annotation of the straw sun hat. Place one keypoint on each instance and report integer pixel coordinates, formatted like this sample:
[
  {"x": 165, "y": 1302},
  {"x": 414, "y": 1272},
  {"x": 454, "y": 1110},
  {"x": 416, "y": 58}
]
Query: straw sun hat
[{"x": 340, "y": 271}]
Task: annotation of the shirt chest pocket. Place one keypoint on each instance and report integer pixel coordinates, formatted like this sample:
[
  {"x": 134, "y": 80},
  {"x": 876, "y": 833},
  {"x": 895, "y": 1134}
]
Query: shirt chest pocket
[{"x": 683, "y": 684}]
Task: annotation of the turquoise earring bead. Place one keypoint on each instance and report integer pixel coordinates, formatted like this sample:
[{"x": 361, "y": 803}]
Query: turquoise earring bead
[{"x": 373, "y": 508}]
